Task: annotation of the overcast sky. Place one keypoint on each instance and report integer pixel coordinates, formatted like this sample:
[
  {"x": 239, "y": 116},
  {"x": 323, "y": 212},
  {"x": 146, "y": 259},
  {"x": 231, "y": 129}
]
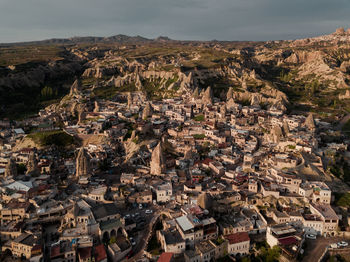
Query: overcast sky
[{"x": 24, "y": 20}]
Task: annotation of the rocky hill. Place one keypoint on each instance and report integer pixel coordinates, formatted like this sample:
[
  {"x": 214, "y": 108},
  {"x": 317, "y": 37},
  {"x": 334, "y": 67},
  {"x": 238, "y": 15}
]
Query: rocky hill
[{"x": 304, "y": 75}]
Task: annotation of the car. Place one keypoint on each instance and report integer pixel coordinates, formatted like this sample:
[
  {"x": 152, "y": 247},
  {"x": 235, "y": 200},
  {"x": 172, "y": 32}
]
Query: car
[
  {"x": 310, "y": 236},
  {"x": 130, "y": 254},
  {"x": 140, "y": 206},
  {"x": 137, "y": 214},
  {"x": 342, "y": 244},
  {"x": 132, "y": 241},
  {"x": 334, "y": 245},
  {"x": 127, "y": 216},
  {"x": 149, "y": 211}
]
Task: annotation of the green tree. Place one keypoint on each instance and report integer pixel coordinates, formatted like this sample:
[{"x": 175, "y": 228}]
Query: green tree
[{"x": 47, "y": 93}]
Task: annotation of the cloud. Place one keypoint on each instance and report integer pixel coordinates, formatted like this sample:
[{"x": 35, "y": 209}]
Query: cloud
[{"x": 179, "y": 19}]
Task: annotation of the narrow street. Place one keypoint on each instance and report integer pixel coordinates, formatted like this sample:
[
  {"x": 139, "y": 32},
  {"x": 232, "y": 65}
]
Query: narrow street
[{"x": 315, "y": 248}]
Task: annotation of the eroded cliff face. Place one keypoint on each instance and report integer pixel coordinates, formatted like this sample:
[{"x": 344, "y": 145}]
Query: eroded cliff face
[
  {"x": 21, "y": 86},
  {"x": 260, "y": 73}
]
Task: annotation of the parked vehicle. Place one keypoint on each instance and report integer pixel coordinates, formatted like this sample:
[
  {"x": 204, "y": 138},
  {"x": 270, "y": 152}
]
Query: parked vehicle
[
  {"x": 334, "y": 245},
  {"x": 132, "y": 241},
  {"x": 140, "y": 206},
  {"x": 149, "y": 211},
  {"x": 343, "y": 244},
  {"x": 310, "y": 236}
]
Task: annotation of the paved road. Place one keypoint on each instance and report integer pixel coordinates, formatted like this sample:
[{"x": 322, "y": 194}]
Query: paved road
[
  {"x": 144, "y": 236},
  {"x": 315, "y": 248}
]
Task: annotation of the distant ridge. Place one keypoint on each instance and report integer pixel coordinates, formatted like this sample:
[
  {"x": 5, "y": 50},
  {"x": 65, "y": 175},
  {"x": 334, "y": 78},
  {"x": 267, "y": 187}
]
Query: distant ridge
[{"x": 86, "y": 39}]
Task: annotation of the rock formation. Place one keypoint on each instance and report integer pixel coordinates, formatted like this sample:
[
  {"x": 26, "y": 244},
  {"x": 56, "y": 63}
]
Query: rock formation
[
  {"x": 310, "y": 122},
  {"x": 32, "y": 164},
  {"x": 346, "y": 95},
  {"x": 285, "y": 128},
  {"x": 11, "y": 169},
  {"x": 205, "y": 201},
  {"x": 129, "y": 99},
  {"x": 82, "y": 163},
  {"x": 195, "y": 93},
  {"x": 229, "y": 94},
  {"x": 207, "y": 96},
  {"x": 345, "y": 67},
  {"x": 340, "y": 31},
  {"x": 147, "y": 111},
  {"x": 223, "y": 110},
  {"x": 157, "y": 162},
  {"x": 75, "y": 88},
  {"x": 276, "y": 134},
  {"x": 97, "y": 107}
]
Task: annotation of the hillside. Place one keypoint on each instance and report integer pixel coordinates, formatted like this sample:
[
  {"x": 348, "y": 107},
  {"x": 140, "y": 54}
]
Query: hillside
[{"x": 301, "y": 75}]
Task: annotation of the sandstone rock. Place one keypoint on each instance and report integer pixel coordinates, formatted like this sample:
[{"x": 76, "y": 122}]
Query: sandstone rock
[
  {"x": 346, "y": 95},
  {"x": 157, "y": 162},
  {"x": 130, "y": 101},
  {"x": 75, "y": 88},
  {"x": 82, "y": 163},
  {"x": 255, "y": 100},
  {"x": 147, "y": 111},
  {"x": 340, "y": 31},
  {"x": 138, "y": 83},
  {"x": 11, "y": 169},
  {"x": 223, "y": 110},
  {"x": 310, "y": 122},
  {"x": 195, "y": 93},
  {"x": 230, "y": 104},
  {"x": 207, "y": 96},
  {"x": 205, "y": 201},
  {"x": 285, "y": 128},
  {"x": 32, "y": 164},
  {"x": 97, "y": 107},
  {"x": 188, "y": 154},
  {"x": 276, "y": 134},
  {"x": 81, "y": 112},
  {"x": 345, "y": 67},
  {"x": 229, "y": 94}
]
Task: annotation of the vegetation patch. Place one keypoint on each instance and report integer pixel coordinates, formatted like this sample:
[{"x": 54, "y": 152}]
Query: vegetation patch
[
  {"x": 48, "y": 138},
  {"x": 342, "y": 199},
  {"x": 199, "y": 136},
  {"x": 199, "y": 118}
]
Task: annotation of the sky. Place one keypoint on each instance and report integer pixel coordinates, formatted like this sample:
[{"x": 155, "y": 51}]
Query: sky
[{"x": 26, "y": 20}]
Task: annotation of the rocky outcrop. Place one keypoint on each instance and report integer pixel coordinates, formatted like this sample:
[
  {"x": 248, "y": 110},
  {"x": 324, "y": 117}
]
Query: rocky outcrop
[
  {"x": 229, "y": 94},
  {"x": 195, "y": 93},
  {"x": 97, "y": 107},
  {"x": 130, "y": 100},
  {"x": 310, "y": 122},
  {"x": 207, "y": 97},
  {"x": 276, "y": 134},
  {"x": 75, "y": 89},
  {"x": 205, "y": 201},
  {"x": 340, "y": 31},
  {"x": 32, "y": 164},
  {"x": 345, "y": 67},
  {"x": 157, "y": 161},
  {"x": 82, "y": 165},
  {"x": 11, "y": 169},
  {"x": 286, "y": 129},
  {"x": 147, "y": 111},
  {"x": 345, "y": 96}
]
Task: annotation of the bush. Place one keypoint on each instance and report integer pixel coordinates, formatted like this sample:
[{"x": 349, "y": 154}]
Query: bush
[
  {"x": 343, "y": 199},
  {"x": 199, "y": 136},
  {"x": 48, "y": 138},
  {"x": 199, "y": 118}
]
